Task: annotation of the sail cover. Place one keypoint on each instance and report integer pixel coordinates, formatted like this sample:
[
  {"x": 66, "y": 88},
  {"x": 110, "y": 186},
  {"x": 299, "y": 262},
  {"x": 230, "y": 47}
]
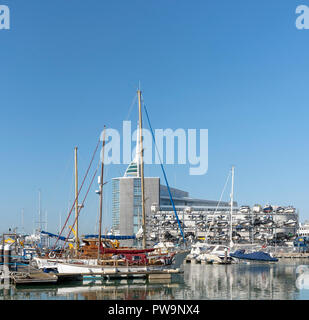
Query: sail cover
[{"x": 257, "y": 256}]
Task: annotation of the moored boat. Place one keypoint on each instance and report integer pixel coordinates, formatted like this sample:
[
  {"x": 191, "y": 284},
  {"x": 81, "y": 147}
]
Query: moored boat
[
  {"x": 216, "y": 254},
  {"x": 257, "y": 256},
  {"x": 268, "y": 209},
  {"x": 99, "y": 257}
]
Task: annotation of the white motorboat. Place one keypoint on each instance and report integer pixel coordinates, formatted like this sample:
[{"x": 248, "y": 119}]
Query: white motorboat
[
  {"x": 197, "y": 249},
  {"x": 217, "y": 254},
  {"x": 257, "y": 208},
  {"x": 289, "y": 210},
  {"x": 280, "y": 210},
  {"x": 290, "y": 223},
  {"x": 244, "y": 209}
]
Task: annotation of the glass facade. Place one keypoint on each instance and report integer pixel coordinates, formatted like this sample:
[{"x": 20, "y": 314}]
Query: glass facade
[
  {"x": 116, "y": 204},
  {"x": 137, "y": 205}
]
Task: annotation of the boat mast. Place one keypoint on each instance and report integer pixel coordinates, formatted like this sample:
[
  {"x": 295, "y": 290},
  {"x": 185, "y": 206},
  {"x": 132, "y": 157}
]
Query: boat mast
[
  {"x": 22, "y": 220},
  {"x": 76, "y": 202},
  {"x": 139, "y": 93},
  {"x": 101, "y": 195},
  {"x": 40, "y": 218},
  {"x": 231, "y": 215}
]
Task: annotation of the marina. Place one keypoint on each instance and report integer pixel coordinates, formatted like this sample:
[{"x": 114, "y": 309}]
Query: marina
[
  {"x": 153, "y": 151},
  {"x": 281, "y": 281},
  {"x": 173, "y": 242},
  {"x": 172, "y": 237}
]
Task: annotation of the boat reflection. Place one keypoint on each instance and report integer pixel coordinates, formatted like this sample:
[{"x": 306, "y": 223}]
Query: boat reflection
[
  {"x": 286, "y": 280},
  {"x": 92, "y": 289},
  {"x": 121, "y": 289},
  {"x": 241, "y": 281}
]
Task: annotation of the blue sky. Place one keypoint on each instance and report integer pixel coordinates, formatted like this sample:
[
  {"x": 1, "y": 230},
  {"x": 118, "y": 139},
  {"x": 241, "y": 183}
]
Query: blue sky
[{"x": 236, "y": 68}]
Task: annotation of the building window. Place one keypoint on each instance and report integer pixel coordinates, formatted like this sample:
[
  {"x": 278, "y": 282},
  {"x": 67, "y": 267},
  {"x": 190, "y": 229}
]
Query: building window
[
  {"x": 137, "y": 205},
  {"x": 116, "y": 205}
]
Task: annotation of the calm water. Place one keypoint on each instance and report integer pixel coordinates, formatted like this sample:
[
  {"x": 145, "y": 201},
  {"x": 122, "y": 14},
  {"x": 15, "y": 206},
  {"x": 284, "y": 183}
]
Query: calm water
[{"x": 231, "y": 282}]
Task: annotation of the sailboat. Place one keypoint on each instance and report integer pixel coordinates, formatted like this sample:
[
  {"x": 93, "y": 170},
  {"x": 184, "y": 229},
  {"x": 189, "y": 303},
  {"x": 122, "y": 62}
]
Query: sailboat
[
  {"x": 115, "y": 259},
  {"x": 220, "y": 254},
  {"x": 50, "y": 259}
]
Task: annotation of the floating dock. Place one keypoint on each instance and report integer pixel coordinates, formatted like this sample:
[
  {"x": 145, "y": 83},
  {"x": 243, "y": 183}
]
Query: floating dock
[
  {"x": 165, "y": 274},
  {"x": 195, "y": 261},
  {"x": 291, "y": 255},
  {"x": 40, "y": 277},
  {"x": 279, "y": 255},
  {"x": 34, "y": 278}
]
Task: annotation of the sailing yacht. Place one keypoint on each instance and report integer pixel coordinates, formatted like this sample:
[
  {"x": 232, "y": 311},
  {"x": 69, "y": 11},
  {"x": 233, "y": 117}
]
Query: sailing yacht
[{"x": 114, "y": 259}]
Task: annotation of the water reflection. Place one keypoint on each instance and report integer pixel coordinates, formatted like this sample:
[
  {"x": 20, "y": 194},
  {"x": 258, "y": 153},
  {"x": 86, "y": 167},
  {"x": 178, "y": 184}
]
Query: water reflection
[
  {"x": 138, "y": 289},
  {"x": 234, "y": 282},
  {"x": 288, "y": 280},
  {"x": 302, "y": 281}
]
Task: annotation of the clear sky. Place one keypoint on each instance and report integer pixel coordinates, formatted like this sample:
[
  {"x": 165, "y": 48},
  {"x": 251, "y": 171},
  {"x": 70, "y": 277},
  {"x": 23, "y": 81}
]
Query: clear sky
[{"x": 237, "y": 68}]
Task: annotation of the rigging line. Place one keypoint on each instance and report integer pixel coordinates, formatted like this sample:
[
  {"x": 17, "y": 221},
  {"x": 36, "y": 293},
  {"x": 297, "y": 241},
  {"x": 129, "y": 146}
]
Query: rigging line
[
  {"x": 80, "y": 208},
  {"x": 71, "y": 192},
  {"x": 131, "y": 107},
  {"x": 95, "y": 151},
  {"x": 223, "y": 191},
  {"x": 168, "y": 188},
  {"x": 98, "y": 212},
  {"x": 69, "y": 164},
  {"x": 213, "y": 217}
]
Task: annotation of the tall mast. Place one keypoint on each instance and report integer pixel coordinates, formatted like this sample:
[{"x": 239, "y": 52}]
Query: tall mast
[
  {"x": 231, "y": 215},
  {"x": 59, "y": 222},
  {"x": 39, "y": 210},
  {"x": 101, "y": 195},
  {"x": 40, "y": 213},
  {"x": 22, "y": 220},
  {"x": 139, "y": 93},
  {"x": 76, "y": 202}
]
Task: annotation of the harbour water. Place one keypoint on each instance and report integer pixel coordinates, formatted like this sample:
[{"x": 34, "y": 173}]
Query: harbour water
[{"x": 278, "y": 281}]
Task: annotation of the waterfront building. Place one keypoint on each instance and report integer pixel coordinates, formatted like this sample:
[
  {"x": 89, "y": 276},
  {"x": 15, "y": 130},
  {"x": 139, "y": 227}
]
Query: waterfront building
[
  {"x": 127, "y": 202},
  {"x": 198, "y": 218},
  {"x": 303, "y": 229},
  {"x": 213, "y": 224}
]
